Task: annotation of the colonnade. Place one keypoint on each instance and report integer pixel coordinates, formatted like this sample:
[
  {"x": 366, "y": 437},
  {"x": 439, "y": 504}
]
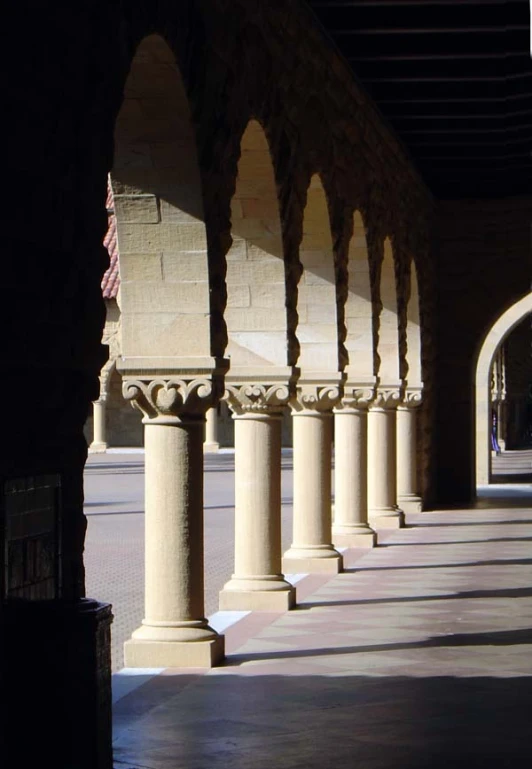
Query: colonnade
[
  {"x": 306, "y": 325},
  {"x": 375, "y": 465}
]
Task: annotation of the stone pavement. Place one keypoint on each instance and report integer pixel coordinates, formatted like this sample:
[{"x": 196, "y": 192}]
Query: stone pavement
[
  {"x": 419, "y": 656},
  {"x": 114, "y": 551}
]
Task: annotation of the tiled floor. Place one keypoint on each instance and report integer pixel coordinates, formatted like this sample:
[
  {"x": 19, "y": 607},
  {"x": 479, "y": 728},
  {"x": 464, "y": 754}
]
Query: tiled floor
[{"x": 419, "y": 656}]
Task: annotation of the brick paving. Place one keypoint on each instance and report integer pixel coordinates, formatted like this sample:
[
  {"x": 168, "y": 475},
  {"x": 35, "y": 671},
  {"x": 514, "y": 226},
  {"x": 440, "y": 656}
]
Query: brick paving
[
  {"x": 419, "y": 656},
  {"x": 114, "y": 553}
]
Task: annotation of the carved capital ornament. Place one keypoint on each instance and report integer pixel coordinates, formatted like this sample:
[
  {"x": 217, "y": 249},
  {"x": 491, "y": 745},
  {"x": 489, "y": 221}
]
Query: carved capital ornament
[
  {"x": 412, "y": 398},
  {"x": 171, "y": 399},
  {"x": 314, "y": 398},
  {"x": 257, "y": 398},
  {"x": 387, "y": 398},
  {"x": 355, "y": 398}
]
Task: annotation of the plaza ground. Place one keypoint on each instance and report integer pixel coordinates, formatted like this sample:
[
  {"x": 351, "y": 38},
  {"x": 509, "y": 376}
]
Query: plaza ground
[{"x": 419, "y": 655}]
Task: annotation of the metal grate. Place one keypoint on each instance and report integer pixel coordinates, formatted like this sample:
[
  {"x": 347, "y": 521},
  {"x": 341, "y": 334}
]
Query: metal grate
[{"x": 32, "y": 522}]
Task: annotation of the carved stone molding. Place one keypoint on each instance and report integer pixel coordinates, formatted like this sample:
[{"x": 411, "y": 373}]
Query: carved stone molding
[
  {"x": 257, "y": 398},
  {"x": 412, "y": 398},
  {"x": 387, "y": 398},
  {"x": 172, "y": 399},
  {"x": 314, "y": 397},
  {"x": 355, "y": 398}
]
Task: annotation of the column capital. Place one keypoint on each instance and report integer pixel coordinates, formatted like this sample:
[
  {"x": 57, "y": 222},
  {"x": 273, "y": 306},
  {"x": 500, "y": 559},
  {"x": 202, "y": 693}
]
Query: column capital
[
  {"x": 167, "y": 399},
  {"x": 387, "y": 397},
  {"x": 316, "y": 397},
  {"x": 412, "y": 398},
  {"x": 258, "y": 398},
  {"x": 355, "y": 397}
]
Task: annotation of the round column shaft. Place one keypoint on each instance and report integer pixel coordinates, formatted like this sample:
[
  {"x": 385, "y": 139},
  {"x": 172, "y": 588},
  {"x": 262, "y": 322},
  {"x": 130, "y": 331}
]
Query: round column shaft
[
  {"x": 211, "y": 443},
  {"x": 99, "y": 442},
  {"x": 382, "y": 508},
  {"x": 312, "y": 549},
  {"x": 257, "y": 582},
  {"x": 350, "y": 528},
  {"x": 174, "y": 631},
  {"x": 407, "y": 482}
]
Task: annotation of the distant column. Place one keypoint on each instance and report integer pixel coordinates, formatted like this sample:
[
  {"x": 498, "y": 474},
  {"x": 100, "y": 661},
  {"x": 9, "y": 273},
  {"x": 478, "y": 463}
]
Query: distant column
[
  {"x": 99, "y": 409},
  {"x": 408, "y": 497},
  {"x": 383, "y": 511},
  {"x": 211, "y": 443},
  {"x": 351, "y": 528},
  {"x": 312, "y": 549},
  {"x": 257, "y": 582}
]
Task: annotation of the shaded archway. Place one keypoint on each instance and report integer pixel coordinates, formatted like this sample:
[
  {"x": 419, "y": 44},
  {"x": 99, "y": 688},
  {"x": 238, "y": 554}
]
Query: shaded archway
[
  {"x": 317, "y": 328},
  {"x": 256, "y": 290},
  {"x": 359, "y": 341},
  {"x": 492, "y": 341},
  {"x": 157, "y": 187},
  {"x": 388, "y": 335},
  {"x": 413, "y": 332}
]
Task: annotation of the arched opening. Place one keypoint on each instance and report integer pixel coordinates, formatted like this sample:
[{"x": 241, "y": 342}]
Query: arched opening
[
  {"x": 359, "y": 307},
  {"x": 317, "y": 328},
  {"x": 388, "y": 335},
  {"x": 495, "y": 337},
  {"x": 413, "y": 332},
  {"x": 256, "y": 290},
  {"x": 158, "y": 201},
  {"x": 165, "y": 300}
]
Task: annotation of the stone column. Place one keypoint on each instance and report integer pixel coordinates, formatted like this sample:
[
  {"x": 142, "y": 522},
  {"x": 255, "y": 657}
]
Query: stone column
[
  {"x": 99, "y": 441},
  {"x": 312, "y": 549},
  {"x": 408, "y": 496},
  {"x": 99, "y": 409},
  {"x": 350, "y": 527},
  {"x": 383, "y": 512},
  {"x": 257, "y": 582},
  {"x": 174, "y": 631},
  {"x": 211, "y": 443}
]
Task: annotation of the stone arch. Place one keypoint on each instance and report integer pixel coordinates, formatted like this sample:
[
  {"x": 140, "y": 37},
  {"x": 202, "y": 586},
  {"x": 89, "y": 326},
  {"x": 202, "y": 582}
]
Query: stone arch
[
  {"x": 358, "y": 307},
  {"x": 413, "y": 332},
  {"x": 256, "y": 314},
  {"x": 492, "y": 341},
  {"x": 317, "y": 328},
  {"x": 388, "y": 335},
  {"x": 157, "y": 187}
]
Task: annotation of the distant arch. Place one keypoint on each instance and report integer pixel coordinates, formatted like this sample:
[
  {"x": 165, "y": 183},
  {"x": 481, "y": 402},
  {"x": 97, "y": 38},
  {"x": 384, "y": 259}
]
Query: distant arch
[
  {"x": 317, "y": 328},
  {"x": 413, "y": 332},
  {"x": 359, "y": 306},
  {"x": 158, "y": 199},
  {"x": 256, "y": 314},
  {"x": 388, "y": 336},
  {"x": 492, "y": 341}
]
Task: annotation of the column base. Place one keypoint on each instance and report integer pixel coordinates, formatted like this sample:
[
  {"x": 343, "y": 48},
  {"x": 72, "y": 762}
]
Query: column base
[
  {"x": 388, "y": 518},
  {"x": 324, "y": 560},
  {"x": 145, "y": 653},
  {"x": 97, "y": 448},
  {"x": 191, "y": 644},
  {"x": 211, "y": 448},
  {"x": 355, "y": 536},
  {"x": 411, "y": 504},
  {"x": 278, "y": 600}
]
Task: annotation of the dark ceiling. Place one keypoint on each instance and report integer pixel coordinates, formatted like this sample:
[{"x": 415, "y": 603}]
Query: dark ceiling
[{"x": 454, "y": 79}]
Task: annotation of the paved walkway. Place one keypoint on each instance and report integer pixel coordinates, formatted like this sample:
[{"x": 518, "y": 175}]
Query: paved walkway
[
  {"x": 114, "y": 552},
  {"x": 419, "y": 656}
]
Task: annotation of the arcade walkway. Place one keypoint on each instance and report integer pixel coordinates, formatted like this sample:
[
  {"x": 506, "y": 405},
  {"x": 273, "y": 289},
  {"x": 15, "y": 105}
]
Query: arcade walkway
[{"x": 418, "y": 656}]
